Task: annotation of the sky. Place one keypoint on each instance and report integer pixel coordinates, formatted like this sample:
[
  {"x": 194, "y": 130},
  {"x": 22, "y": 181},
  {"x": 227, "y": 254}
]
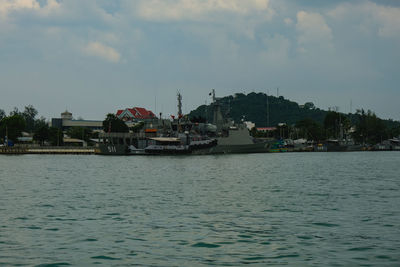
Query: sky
[{"x": 94, "y": 57}]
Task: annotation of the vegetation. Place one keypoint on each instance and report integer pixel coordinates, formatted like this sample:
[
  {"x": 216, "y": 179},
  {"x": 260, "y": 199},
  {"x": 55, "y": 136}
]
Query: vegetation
[
  {"x": 336, "y": 124},
  {"x": 53, "y": 135},
  {"x": 310, "y": 130},
  {"x": 369, "y": 128},
  {"x": 290, "y": 119},
  {"x": 56, "y": 136},
  {"x": 82, "y": 133},
  {"x": 253, "y": 107},
  {"x": 136, "y": 128},
  {"x": 12, "y": 126},
  {"x": 113, "y": 124},
  {"x": 29, "y": 115},
  {"x": 26, "y": 121},
  {"x": 2, "y": 114},
  {"x": 198, "y": 119},
  {"x": 41, "y": 132},
  {"x": 302, "y": 121}
]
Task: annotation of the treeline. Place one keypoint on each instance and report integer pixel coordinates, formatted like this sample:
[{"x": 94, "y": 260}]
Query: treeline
[
  {"x": 13, "y": 126},
  {"x": 301, "y": 121},
  {"x": 367, "y": 128},
  {"x": 261, "y": 109},
  {"x": 17, "y": 122}
]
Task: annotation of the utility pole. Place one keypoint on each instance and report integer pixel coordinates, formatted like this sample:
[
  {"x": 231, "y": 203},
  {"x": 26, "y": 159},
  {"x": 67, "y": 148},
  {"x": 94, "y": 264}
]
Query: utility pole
[
  {"x": 155, "y": 103},
  {"x": 351, "y": 106},
  {"x": 179, "y": 104},
  {"x": 6, "y": 137},
  {"x": 206, "y": 110},
  {"x": 267, "y": 111}
]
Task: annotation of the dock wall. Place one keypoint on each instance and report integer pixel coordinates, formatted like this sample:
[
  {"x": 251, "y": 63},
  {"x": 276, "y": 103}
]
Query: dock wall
[{"x": 47, "y": 150}]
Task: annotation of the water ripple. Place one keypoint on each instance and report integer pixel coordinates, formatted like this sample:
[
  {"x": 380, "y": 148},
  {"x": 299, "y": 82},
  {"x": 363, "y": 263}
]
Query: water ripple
[{"x": 309, "y": 209}]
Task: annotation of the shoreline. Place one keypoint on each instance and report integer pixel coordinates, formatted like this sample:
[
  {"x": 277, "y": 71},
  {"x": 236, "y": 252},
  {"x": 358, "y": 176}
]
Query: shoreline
[
  {"x": 96, "y": 151},
  {"x": 48, "y": 150}
]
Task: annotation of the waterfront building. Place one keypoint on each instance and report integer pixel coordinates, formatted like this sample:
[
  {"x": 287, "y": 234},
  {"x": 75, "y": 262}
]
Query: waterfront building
[{"x": 66, "y": 121}]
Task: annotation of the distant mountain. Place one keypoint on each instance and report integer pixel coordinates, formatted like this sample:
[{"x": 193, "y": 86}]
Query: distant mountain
[{"x": 253, "y": 107}]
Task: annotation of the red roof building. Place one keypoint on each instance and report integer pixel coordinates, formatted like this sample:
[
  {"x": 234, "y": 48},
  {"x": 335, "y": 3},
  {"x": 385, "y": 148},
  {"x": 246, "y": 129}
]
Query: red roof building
[{"x": 136, "y": 113}]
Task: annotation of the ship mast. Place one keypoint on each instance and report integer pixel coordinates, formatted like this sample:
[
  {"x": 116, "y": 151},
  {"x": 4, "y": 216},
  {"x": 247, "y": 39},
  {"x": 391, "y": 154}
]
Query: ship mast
[
  {"x": 218, "y": 118},
  {"x": 179, "y": 105},
  {"x": 213, "y": 96}
]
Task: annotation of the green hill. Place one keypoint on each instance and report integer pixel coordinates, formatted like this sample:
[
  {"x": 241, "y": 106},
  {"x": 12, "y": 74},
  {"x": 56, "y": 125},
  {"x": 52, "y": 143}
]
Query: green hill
[{"x": 253, "y": 107}]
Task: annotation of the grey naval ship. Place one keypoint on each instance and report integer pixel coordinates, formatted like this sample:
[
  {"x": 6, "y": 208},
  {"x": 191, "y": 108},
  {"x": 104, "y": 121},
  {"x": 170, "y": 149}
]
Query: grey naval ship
[{"x": 181, "y": 136}]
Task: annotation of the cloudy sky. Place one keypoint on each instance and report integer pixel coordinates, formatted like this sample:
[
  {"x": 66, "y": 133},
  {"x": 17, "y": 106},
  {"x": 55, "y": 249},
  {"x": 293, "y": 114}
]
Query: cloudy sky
[{"x": 93, "y": 57}]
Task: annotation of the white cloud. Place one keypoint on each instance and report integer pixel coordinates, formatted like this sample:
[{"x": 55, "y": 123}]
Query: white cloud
[
  {"x": 236, "y": 17},
  {"x": 196, "y": 9},
  {"x": 98, "y": 49},
  {"x": 7, "y": 6},
  {"x": 50, "y": 7},
  {"x": 65, "y": 12},
  {"x": 385, "y": 20},
  {"x": 389, "y": 19},
  {"x": 288, "y": 21},
  {"x": 10, "y": 5},
  {"x": 277, "y": 50},
  {"x": 313, "y": 31}
]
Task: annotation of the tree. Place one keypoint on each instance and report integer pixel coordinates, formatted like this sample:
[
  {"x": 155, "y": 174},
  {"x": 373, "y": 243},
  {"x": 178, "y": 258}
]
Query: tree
[
  {"x": 2, "y": 114},
  {"x": 334, "y": 123},
  {"x": 15, "y": 111},
  {"x": 113, "y": 124},
  {"x": 42, "y": 133},
  {"x": 137, "y": 127},
  {"x": 82, "y": 133},
  {"x": 261, "y": 109},
  {"x": 29, "y": 115},
  {"x": 394, "y": 132},
  {"x": 12, "y": 126},
  {"x": 369, "y": 128},
  {"x": 198, "y": 119},
  {"x": 56, "y": 136},
  {"x": 309, "y": 105},
  {"x": 310, "y": 129}
]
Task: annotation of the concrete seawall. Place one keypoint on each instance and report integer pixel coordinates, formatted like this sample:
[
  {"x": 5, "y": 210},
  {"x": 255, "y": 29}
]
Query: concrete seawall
[{"x": 47, "y": 150}]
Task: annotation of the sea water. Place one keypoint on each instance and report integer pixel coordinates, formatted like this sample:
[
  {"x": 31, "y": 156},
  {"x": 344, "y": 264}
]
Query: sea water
[{"x": 296, "y": 209}]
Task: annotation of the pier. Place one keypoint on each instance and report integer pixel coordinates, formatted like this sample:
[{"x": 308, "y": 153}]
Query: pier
[{"x": 48, "y": 150}]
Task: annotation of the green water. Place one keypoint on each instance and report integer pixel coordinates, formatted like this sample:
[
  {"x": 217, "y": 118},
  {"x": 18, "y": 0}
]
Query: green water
[{"x": 306, "y": 209}]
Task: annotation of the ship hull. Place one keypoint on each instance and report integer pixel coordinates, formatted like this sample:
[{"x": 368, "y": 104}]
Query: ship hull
[
  {"x": 111, "y": 149},
  {"x": 119, "y": 150},
  {"x": 234, "y": 149}
]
